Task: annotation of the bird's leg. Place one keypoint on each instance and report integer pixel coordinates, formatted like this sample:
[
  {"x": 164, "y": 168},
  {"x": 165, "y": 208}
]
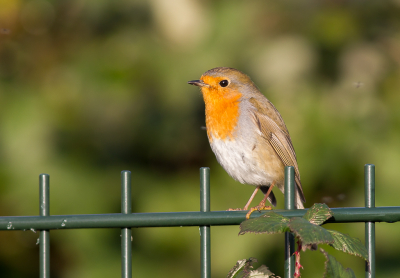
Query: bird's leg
[
  {"x": 264, "y": 200},
  {"x": 261, "y": 205},
  {"x": 251, "y": 198},
  {"x": 248, "y": 202}
]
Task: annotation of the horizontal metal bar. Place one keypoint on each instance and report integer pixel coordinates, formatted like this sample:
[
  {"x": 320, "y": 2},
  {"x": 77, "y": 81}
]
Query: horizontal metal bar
[{"x": 176, "y": 219}]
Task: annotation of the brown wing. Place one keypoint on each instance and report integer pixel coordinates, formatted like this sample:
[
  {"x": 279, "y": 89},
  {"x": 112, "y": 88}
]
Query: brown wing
[{"x": 278, "y": 137}]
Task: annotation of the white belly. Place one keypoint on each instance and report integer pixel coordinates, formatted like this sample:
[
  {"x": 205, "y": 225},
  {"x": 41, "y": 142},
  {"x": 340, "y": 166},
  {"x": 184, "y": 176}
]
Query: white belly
[{"x": 241, "y": 161}]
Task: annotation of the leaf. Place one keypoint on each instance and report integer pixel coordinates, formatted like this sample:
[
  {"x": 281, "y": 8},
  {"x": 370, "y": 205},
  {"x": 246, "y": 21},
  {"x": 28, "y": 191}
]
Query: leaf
[
  {"x": 318, "y": 214},
  {"x": 270, "y": 223},
  {"x": 348, "y": 244},
  {"x": 261, "y": 272},
  {"x": 243, "y": 269},
  {"x": 334, "y": 269},
  {"x": 309, "y": 233},
  {"x": 239, "y": 266}
]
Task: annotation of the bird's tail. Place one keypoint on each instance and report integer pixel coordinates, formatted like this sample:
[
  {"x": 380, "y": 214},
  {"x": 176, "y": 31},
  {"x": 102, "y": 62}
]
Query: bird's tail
[
  {"x": 299, "y": 198},
  {"x": 299, "y": 203}
]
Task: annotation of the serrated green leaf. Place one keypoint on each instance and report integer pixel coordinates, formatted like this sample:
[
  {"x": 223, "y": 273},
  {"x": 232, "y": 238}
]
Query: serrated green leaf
[
  {"x": 261, "y": 272},
  {"x": 318, "y": 214},
  {"x": 309, "y": 233},
  {"x": 240, "y": 266},
  {"x": 334, "y": 269},
  {"x": 348, "y": 244},
  {"x": 270, "y": 223},
  {"x": 243, "y": 269}
]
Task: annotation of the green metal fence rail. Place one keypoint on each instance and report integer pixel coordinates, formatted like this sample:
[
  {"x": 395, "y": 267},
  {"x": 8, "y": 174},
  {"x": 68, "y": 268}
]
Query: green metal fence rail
[{"x": 203, "y": 218}]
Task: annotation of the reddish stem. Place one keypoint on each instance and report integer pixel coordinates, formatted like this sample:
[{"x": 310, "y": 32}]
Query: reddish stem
[{"x": 298, "y": 266}]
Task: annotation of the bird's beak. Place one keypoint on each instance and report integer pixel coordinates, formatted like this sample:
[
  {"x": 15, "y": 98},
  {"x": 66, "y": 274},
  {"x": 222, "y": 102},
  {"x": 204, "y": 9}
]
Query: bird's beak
[{"x": 199, "y": 83}]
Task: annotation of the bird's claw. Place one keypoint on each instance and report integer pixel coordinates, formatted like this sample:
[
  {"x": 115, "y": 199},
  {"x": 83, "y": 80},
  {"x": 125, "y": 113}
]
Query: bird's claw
[
  {"x": 236, "y": 209},
  {"x": 258, "y": 208}
]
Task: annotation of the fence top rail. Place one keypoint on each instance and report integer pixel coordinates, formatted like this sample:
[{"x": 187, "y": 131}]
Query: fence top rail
[{"x": 176, "y": 219}]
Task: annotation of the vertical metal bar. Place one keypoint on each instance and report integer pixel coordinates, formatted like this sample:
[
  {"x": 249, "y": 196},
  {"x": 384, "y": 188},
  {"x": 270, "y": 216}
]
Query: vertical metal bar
[
  {"x": 126, "y": 233},
  {"x": 369, "y": 184},
  {"x": 44, "y": 237},
  {"x": 289, "y": 238},
  {"x": 205, "y": 246}
]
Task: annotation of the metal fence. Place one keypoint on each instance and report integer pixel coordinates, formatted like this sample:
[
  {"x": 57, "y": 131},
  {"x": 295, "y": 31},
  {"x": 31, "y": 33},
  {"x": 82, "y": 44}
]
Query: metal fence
[{"x": 204, "y": 219}]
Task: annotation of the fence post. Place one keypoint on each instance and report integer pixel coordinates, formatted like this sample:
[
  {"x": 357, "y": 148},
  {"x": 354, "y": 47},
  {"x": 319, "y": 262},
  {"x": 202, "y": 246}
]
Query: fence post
[
  {"x": 369, "y": 184},
  {"x": 126, "y": 233},
  {"x": 44, "y": 237},
  {"x": 289, "y": 238},
  {"x": 205, "y": 246}
]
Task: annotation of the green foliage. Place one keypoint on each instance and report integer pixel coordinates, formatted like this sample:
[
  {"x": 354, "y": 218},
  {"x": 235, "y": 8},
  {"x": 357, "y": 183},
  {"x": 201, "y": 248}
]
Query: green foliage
[
  {"x": 334, "y": 269},
  {"x": 318, "y": 214},
  {"x": 272, "y": 223},
  {"x": 348, "y": 244},
  {"x": 244, "y": 269},
  {"x": 269, "y": 223},
  {"x": 309, "y": 233}
]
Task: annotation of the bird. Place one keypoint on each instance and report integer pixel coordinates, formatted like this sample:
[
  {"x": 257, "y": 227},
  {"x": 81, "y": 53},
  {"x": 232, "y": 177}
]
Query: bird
[{"x": 247, "y": 134}]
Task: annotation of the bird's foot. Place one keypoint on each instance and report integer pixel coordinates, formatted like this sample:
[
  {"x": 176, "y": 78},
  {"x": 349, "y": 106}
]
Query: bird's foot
[
  {"x": 236, "y": 209},
  {"x": 258, "y": 208}
]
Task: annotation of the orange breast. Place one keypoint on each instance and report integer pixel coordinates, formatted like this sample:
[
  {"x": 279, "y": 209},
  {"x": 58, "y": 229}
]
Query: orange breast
[{"x": 222, "y": 112}]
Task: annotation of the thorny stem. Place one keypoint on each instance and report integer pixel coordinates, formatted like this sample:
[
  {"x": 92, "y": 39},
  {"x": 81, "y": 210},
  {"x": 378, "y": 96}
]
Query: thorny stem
[{"x": 297, "y": 263}]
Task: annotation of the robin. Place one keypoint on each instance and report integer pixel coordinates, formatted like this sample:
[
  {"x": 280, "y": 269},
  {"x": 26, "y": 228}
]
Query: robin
[{"x": 247, "y": 134}]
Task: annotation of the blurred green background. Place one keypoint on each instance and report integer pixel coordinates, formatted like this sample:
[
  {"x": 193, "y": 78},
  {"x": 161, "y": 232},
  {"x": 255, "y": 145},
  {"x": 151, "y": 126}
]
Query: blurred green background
[{"x": 90, "y": 88}]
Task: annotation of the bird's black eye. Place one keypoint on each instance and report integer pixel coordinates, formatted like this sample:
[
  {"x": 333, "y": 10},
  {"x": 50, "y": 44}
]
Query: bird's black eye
[{"x": 223, "y": 83}]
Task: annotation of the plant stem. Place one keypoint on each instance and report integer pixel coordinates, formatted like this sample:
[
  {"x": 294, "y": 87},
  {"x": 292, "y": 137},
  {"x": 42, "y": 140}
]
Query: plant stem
[{"x": 298, "y": 266}]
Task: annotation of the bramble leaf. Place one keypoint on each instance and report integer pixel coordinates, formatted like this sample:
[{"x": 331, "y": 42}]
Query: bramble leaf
[
  {"x": 334, "y": 269},
  {"x": 244, "y": 269},
  {"x": 309, "y": 233},
  {"x": 270, "y": 223},
  {"x": 240, "y": 266},
  {"x": 318, "y": 214},
  {"x": 261, "y": 272},
  {"x": 348, "y": 244}
]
